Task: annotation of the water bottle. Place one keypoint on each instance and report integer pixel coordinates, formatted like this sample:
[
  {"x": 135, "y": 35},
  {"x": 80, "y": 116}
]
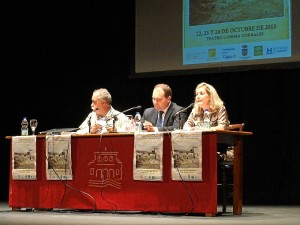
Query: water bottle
[
  {"x": 206, "y": 120},
  {"x": 24, "y": 126},
  {"x": 137, "y": 121}
]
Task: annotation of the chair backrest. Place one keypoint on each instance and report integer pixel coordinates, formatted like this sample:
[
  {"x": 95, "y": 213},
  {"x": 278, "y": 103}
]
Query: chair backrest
[{"x": 236, "y": 127}]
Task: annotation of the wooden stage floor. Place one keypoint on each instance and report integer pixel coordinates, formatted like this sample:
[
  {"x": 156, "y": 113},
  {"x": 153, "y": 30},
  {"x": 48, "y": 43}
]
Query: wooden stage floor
[{"x": 262, "y": 215}]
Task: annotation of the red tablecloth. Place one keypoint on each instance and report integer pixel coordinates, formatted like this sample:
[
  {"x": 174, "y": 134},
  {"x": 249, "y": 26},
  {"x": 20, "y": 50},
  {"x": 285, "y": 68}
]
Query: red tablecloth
[{"x": 113, "y": 156}]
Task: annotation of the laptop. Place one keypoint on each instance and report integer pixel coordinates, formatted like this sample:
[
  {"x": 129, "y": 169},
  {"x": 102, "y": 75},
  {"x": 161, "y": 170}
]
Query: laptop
[{"x": 59, "y": 130}]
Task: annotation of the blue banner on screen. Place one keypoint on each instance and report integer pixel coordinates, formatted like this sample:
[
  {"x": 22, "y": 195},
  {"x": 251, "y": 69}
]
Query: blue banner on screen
[{"x": 235, "y": 30}]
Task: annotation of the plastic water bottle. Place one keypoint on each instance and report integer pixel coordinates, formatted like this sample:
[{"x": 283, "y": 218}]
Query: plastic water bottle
[
  {"x": 206, "y": 120},
  {"x": 137, "y": 121},
  {"x": 24, "y": 126}
]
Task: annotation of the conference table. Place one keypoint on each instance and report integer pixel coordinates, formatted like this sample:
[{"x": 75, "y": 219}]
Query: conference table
[{"x": 114, "y": 153}]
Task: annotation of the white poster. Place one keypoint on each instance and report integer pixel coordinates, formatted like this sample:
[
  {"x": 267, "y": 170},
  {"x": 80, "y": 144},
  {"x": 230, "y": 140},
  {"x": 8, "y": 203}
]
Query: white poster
[
  {"x": 187, "y": 155},
  {"x": 58, "y": 157},
  {"x": 148, "y": 156},
  {"x": 24, "y": 158}
]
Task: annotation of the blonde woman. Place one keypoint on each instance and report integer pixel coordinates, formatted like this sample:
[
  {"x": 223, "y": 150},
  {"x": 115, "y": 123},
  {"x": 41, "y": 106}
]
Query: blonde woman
[{"x": 206, "y": 97}]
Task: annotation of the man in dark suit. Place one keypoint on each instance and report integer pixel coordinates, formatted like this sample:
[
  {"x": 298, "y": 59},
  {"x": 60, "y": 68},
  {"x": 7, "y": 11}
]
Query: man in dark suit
[{"x": 169, "y": 120}]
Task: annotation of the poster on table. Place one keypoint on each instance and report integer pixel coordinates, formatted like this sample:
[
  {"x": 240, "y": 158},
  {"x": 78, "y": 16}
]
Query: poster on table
[
  {"x": 24, "y": 158},
  {"x": 186, "y": 155},
  {"x": 58, "y": 157},
  {"x": 148, "y": 156}
]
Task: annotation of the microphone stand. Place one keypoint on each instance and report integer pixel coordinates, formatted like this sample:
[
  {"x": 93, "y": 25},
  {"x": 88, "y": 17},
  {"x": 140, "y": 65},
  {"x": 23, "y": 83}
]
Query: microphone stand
[
  {"x": 180, "y": 125},
  {"x": 89, "y": 123},
  {"x": 89, "y": 119},
  {"x": 179, "y": 122},
  {"x": 114, "y": 121}
]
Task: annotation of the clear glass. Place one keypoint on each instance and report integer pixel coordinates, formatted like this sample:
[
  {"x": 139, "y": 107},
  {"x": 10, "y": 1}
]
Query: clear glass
[
  {"x": 100, "y": 126},
  {"x": 130, "y": 126},
  {"x": 197, "y": 122},
  {"x": 33, "y": 124}
]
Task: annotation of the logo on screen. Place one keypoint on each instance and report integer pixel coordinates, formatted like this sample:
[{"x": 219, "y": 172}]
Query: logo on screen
[
  {"x": 244, "y": 50},
  {"x": 212, "y": 53},
  {"x": 258, "y": 50}
]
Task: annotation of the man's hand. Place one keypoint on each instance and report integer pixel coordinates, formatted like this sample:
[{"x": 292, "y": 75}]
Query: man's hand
[{"x": 148, "y": 126}]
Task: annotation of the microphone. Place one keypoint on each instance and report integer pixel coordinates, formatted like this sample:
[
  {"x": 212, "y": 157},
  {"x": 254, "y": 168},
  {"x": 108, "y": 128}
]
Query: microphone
[
  {"x": 89, "y": 121},
  {"x": 136, "y": 107},
  {"x": 115, "y": 116},
  {"x": 183, "y": 110},
  {"x": 89, "y": 118}
]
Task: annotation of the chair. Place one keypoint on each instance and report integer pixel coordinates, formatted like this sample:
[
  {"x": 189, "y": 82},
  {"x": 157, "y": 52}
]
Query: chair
[{"x": 225, "y": 163}]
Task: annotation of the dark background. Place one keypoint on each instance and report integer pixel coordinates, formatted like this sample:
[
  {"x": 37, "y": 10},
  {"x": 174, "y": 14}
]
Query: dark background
[{"x": 55, "y": 53}]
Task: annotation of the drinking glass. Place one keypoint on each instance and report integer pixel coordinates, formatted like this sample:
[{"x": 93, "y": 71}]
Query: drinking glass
[
  {"x": 33, "y": 124},
  {"x": 129, "y": 124}
]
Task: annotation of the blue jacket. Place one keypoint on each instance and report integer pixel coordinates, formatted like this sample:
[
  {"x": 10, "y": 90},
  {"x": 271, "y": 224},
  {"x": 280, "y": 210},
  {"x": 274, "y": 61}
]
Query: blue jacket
[{"x": 170, "y": 120}]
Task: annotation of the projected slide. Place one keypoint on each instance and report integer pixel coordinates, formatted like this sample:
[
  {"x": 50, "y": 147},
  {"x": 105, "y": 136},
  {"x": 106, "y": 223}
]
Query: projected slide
[{"x": 217, "y": 31}]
